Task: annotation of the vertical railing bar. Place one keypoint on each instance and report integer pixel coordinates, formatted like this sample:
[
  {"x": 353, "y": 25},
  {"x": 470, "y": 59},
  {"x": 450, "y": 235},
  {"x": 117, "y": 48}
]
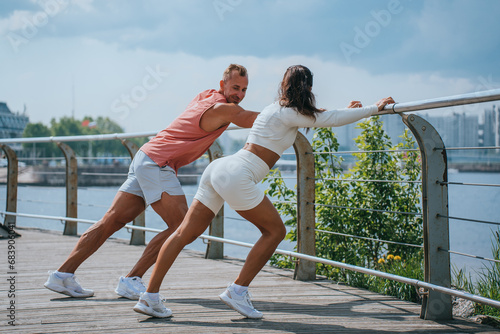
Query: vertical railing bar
[
  {"x": 137, "y": 237},
  {"x": 7, "y": 229},
  {"x": 435, "y": 305},
  {"x": 215, "y": 250},
  {"x": 305, "y": 270},
  {"x": 70, "y": 228}
]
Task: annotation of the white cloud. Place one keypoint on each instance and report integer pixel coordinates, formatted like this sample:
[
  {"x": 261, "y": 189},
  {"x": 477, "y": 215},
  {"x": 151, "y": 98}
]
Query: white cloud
[
  {"x": 103, "y": 74},
  {"x": 15, "y": 21},
  {"x": 108, "y": 49},
  {"x": 452, "y": 36},
  {"x": 86, "y": 5}
]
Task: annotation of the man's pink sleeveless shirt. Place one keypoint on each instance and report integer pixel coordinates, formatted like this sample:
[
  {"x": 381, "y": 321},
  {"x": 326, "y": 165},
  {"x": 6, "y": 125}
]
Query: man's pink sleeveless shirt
[{"x": 183, "y": 141}]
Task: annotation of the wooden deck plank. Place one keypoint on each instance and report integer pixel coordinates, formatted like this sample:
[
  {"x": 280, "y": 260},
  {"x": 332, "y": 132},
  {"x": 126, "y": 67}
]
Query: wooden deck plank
[{"x": 191, "y": 288}]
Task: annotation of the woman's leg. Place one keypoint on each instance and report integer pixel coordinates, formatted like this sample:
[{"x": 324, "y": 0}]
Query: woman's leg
[
  {"x": 268, "y": 221},
  {"x": 195, "y": 222}
]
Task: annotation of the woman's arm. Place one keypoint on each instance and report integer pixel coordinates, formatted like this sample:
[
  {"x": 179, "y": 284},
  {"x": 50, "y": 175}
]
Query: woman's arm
[{"x": 332, "y": 118}]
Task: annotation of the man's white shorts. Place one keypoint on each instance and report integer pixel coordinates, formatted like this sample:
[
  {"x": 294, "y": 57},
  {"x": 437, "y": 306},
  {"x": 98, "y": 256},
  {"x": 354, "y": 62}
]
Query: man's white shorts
[{"x": 148, "y": 180}]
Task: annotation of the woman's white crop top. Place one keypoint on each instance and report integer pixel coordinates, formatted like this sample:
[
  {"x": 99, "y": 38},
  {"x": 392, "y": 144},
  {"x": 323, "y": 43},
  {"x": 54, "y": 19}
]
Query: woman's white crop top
[{"x": 275, "y": 128}]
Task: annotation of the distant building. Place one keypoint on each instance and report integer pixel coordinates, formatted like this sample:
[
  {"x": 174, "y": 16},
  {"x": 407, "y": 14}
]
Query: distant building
[
  {"x": 394, "y": 127},
  {"x": 11, "y": 125},
  {"x": 491, "y": 127},
  {"x": 457, "y": 129}
]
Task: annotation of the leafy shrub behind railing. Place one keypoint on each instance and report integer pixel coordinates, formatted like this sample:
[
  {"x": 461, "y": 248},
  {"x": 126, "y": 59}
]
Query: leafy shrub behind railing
[{"x": 346, "y": 207}]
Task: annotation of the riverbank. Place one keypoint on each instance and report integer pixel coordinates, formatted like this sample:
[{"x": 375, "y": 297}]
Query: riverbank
[
  {"x": 88, "y": 176},
  {"x": 114, "y": 175}
]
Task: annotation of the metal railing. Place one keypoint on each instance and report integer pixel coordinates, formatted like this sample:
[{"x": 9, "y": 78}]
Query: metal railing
[{"x": 437, "y": 292}]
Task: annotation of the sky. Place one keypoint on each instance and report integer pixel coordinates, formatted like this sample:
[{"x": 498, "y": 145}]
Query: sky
[{"x": 141, "y": 62}]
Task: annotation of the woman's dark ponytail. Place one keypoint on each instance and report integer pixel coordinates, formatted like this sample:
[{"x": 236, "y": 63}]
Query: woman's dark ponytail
[{"x": 295, "y": 91}]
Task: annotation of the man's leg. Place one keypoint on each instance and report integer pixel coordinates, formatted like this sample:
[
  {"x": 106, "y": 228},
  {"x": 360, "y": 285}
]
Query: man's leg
[
  {"x": 195, "y": 223},
  {"x": 172, "y": 210},
  {"x": 125, "y": 208}
]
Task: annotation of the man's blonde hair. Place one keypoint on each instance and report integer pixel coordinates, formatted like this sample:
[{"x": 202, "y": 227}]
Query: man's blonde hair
[{"x": 242, "y": 71}]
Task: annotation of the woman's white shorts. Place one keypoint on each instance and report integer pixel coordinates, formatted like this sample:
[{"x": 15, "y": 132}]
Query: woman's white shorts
[
  {"x": 233, "y": 179},
  {"x": 148, "y": 180}
]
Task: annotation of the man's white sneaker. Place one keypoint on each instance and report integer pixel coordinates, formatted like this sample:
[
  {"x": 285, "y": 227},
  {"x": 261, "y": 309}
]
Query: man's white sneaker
[
  {"x": 149, "y": 307},
  {"x": 68, "y": 286},
  {"x": 130, "y": 287},
  {"x": 240, "y": 303}
]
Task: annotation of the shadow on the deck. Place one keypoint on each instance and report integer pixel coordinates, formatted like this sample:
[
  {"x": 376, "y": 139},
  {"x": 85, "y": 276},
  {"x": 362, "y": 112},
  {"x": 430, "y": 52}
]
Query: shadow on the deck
[{"x": 192, "y": 287}]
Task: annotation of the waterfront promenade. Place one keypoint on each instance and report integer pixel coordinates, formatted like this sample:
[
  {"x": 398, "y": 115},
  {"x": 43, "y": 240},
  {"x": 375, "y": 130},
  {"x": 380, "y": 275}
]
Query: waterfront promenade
[{"x": 192, "y": 288}]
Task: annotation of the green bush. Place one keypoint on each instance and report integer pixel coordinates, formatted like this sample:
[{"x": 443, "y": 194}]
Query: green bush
[
  {"x": 411, "y": 267},
  {"x": 376, "y": 210}
]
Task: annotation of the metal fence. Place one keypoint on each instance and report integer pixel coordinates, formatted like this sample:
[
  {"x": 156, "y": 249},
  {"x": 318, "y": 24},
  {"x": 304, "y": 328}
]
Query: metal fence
[{"x": 436, "y": 287}]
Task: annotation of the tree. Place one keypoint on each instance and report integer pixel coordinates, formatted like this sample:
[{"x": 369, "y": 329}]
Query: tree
[
  {"x": 68, "y": 126},
  {"x": 40, "y": 149}
]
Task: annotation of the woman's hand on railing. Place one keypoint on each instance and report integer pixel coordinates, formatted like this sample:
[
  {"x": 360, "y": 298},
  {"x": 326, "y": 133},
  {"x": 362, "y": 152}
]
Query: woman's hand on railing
[
  {"x": 383, "y": 102},
  {"x": 355, "y": 104}
]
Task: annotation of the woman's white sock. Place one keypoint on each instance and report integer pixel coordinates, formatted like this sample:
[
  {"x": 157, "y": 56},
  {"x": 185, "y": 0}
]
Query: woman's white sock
[
  {"x": 239, "y": 289},
  {"x": 63, "y": 275}
]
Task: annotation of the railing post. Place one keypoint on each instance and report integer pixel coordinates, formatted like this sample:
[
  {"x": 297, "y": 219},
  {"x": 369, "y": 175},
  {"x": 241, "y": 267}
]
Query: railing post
[
  {"x": 215, "y": 250},
  {"x": 7, "y": 228},
  {"x": 306, "y": 240},
  {"x": 70, "y": 228},
  {"x": 435, "y": 305},
  {"x": 137, "y": 237}
]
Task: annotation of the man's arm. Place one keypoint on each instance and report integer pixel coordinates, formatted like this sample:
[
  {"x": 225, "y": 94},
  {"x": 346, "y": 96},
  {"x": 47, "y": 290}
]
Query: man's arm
[{"x": 222, "y": 114}]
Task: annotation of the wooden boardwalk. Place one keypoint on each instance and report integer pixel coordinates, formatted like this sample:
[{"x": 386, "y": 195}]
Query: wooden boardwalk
[{"x": 192, "y": 289}]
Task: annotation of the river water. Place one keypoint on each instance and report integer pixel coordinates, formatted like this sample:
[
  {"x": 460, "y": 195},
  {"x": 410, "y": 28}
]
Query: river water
[{"x": 474, "y": 202}]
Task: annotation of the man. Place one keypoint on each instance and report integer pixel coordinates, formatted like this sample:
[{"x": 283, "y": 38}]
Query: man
[{"x": 152, "y": 181}]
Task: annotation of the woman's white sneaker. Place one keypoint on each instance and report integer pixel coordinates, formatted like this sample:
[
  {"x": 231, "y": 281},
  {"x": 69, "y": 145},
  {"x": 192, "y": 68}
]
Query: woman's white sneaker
[
  {"x": 240, "y": 303},
  {"x": 153, "y": 308}
]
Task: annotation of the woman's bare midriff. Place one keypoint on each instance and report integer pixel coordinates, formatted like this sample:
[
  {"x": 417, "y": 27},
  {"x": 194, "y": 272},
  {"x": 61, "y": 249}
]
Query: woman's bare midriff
[{"x": 265, "y": 154}]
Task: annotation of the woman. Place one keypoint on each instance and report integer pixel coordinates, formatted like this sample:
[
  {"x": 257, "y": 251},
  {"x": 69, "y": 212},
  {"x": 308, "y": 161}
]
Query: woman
[{"x": 233, "y": 179}]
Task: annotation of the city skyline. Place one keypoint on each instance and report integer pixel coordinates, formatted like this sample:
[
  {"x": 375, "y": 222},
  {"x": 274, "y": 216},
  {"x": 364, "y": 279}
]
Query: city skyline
[{"x": 457, "y": 129}]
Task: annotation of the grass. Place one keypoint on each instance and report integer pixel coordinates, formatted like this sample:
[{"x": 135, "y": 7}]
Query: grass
[{"x": 487, "y": 283}]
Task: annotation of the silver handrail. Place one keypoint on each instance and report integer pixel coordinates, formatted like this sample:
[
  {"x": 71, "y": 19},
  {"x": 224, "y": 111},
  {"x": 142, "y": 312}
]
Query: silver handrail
[
  {"x": 52, "y": 139},
  {"x": 442, "y": 102}
]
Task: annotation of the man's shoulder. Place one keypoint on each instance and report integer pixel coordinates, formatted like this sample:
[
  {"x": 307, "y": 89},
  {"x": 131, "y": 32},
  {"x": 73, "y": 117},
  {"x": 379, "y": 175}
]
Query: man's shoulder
[
  {"x": 205, "y": 100},
  {"x": 211, "y": 94}
]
